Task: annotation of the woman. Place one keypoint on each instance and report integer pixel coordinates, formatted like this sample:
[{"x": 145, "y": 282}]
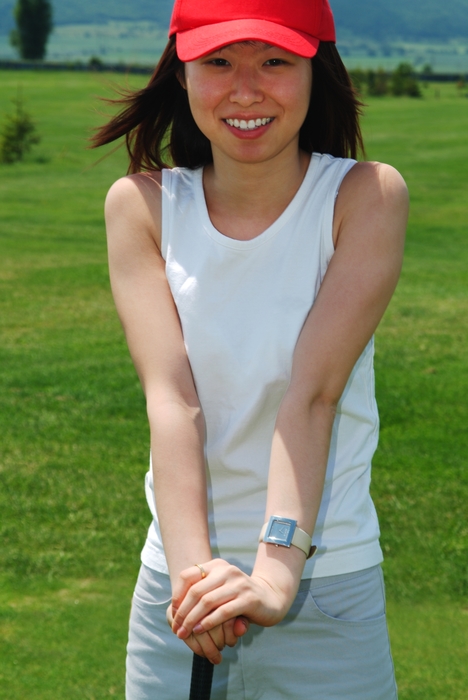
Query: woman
[{"x": 249, "y": 281}]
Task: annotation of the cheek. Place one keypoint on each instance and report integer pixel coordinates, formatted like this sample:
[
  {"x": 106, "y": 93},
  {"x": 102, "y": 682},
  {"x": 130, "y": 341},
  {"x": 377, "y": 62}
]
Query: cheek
[
  {"x": 203, "y": 99},
  {"x": 295, "y": 95},
  {"x": 305, "y": 92},
  {"x": 297, "y": 101}
]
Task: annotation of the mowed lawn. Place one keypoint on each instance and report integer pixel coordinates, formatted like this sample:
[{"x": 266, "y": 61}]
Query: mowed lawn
[{"x": 73, "y": 434}]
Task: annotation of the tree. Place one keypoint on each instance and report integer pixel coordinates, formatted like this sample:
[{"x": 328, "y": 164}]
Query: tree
[
  {"x": 18, "y": 134},
  {"x": 358, "y": 78},
  {"x": 33, "y": 26},
  {"x": 377, "y": 83},
  {"x": 403, "y": 81}
]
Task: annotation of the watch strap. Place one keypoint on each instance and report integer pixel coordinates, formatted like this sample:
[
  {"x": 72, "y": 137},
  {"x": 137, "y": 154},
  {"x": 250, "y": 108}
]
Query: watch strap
[{"x": 300, "y": 539}]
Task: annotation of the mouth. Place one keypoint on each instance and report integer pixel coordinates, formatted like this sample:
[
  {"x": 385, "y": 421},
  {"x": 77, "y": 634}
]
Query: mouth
[{"x": 249, "y": 125}]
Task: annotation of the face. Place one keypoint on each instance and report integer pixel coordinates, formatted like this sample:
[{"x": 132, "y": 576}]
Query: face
[{"x": 250, "y": 100}]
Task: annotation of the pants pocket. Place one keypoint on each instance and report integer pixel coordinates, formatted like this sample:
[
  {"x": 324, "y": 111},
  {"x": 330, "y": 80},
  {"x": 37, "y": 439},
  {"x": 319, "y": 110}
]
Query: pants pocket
[
  {"x": 357, "y": 598},
  {"x": 152, "y": 588}
]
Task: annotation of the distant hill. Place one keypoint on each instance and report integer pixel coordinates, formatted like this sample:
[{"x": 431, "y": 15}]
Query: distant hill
[
  {"x": 415, "y": 20},
  {"x": 92, "y": 12}
]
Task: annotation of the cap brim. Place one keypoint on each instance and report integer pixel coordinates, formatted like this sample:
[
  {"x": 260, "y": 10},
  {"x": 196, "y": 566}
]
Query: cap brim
[{"x": 194, "y": 43}]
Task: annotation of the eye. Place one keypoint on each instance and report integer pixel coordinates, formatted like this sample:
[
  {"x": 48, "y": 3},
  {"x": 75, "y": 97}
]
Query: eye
[
  {"x": 219, "y": 62},
  {"x": 275, "y": 62}
]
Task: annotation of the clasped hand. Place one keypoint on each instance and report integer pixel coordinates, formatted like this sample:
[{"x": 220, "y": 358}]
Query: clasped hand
[{"x": 215, "y": 611}]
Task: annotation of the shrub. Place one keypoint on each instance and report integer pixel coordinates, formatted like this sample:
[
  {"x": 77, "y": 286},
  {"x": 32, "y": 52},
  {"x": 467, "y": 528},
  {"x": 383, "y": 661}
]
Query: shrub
[{"x": 18, "y": 134}]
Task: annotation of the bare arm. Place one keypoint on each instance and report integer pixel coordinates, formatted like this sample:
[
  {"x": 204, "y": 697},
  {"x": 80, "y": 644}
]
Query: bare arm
[
  {"x": 151, "y": 324},
  {"x": 370, "y": 222},
  {"x": 154, "y": 336}
]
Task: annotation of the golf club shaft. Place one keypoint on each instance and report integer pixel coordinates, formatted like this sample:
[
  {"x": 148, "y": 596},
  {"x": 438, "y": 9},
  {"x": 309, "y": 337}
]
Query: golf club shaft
[{"x": 202, "y": 676}]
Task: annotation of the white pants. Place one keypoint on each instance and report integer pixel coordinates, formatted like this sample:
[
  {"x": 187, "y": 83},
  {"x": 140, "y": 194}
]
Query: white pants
[{"x": 332, "y": 645}]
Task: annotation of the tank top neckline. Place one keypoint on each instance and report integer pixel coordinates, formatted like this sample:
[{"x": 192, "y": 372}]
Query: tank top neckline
[{"x": 268, "y": 233}]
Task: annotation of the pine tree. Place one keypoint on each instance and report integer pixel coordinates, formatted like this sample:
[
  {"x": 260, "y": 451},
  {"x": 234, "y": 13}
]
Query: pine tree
[
  {"x": 33, "y": 26},
  {"x": 18, "y": 134}
]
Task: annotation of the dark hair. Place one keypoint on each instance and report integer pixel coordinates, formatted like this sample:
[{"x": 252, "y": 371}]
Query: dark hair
[{"x": 160, "y": 131}]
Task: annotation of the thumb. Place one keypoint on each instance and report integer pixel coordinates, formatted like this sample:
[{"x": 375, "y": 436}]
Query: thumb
[{"x": 241, "y": 626}]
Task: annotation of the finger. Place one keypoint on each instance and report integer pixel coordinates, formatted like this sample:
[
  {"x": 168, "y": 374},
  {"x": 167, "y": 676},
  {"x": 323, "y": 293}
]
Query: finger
[
  {"x": 229, "y": 635},
  {"x": 224, "y": 612},
  {"x": 199, "y": 600},
  {"x": 241, "y": 626},
  {"x": 169, "y": 617},
  {"x": 218, "y": 637},
  {"x": 206, "y": 606},
  {"x": 194, "y": 645},
  {"x": 187, "y": 578},
  {"x": 208, "y": 648},
  {"x": 191, "y": 585}
]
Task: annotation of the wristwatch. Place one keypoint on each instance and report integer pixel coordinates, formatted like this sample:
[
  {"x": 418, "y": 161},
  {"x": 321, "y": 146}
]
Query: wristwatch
[{"x": 283, "y": 532}]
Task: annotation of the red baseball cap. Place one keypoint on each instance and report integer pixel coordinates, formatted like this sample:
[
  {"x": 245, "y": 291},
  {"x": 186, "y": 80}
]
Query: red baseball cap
[{"x": 298, "y": 26}]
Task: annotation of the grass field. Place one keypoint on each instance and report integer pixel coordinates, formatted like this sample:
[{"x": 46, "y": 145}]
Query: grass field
[{"x": 73, "y": 426}]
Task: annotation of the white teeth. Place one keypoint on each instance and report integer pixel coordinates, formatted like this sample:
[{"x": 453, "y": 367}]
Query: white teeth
[{"x": 244, "y": 125}]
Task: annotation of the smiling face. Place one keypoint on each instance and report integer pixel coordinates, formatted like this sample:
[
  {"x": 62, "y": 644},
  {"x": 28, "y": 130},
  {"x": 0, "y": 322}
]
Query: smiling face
[{"x": 250, "y": 100}]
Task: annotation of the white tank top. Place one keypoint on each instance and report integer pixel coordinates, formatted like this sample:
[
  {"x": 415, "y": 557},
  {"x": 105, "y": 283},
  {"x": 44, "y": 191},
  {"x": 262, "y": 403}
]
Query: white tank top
[{"x": 242, "y": 305}]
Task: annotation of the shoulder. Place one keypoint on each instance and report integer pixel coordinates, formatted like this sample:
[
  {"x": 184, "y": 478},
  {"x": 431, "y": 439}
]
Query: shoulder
[
  {"x": 134, "y": 202},
  {"x": 372, "y": 191},
  {"x": 372, "y": 182},
  {"x": 132, "y": 190}
]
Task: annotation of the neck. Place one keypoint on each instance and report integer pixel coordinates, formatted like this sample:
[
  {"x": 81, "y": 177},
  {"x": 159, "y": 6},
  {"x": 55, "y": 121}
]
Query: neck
[{"x": 244, "y": 199}]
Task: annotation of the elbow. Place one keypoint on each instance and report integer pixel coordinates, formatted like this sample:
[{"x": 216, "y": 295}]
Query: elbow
[
  {"x": 163, "y": 407},
  {"x": 322, "y": 400}
]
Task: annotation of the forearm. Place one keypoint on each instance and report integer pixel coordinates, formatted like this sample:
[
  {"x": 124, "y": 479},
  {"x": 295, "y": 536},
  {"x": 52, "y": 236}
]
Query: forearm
[
  {"x": 177, "y": 436},
  {"x": 298, "y": 463},
  {"x": 299, "y": 456}
]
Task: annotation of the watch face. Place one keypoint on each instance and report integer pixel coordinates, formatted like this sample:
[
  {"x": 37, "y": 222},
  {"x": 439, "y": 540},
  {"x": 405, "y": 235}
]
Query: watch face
[{"x": 280, "y": 531}]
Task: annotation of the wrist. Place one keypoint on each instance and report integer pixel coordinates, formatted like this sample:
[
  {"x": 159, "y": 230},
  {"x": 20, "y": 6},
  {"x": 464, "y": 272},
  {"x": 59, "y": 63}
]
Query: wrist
[
  {"x": 284, "y": 532},
  {"x": 178, "y": 561},
  {"x": 281, "y": 568}
]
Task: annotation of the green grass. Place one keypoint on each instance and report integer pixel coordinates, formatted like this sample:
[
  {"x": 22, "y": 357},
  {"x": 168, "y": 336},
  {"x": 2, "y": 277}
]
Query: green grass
[
  {"x": 430, "y": 648},
  {"x": 64, "y": 416},
  {"x": 74, "y": 440},
  {"x": 64, "y": 641},
  {"x": 420, "y": 475}
]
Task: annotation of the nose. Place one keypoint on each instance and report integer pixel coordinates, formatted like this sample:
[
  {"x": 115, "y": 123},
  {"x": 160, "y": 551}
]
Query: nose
[{"x": 246, "y": 89}]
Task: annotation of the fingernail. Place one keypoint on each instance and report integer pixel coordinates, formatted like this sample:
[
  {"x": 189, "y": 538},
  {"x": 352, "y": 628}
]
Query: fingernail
[
  {"x": 182, "y": 633},
  {"x": 198, "y": 629}
]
